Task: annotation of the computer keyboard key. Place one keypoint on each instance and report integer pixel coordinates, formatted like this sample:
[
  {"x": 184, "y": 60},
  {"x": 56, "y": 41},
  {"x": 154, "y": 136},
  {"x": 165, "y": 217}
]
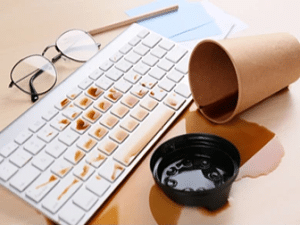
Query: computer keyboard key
[
  {"x": 85, "y": 199},
  {"x": 61, "y": 193},
  {"x": 123, "y": 65},
  {"x": 61, "y": 167},
  {"x": 83, "y": 102},
  {"x": 7, "y": 170},
  {"x": 86, "y": 143},
  {"x": 123, "y": 85},
  {"x": 149, "y": 103},
  {"x": 1, "y": 159},
  {"x": 119, "y": 110},
  {"x": 130, "y": 101},
  {"x": 139, "y": 113},
  {"x": 41, "y": 186},
  {"x": 113, "y": 95},
  {"x": 175, "y": 101},
  {"x": 183, "y": 90},
  {"x": 24, "y": 178},
  {"x": 114, "y": 74},
  {"x": 96, "y": 74},
  {"x": 23, "y": 136},
  {"x": 68, "y": 137},
  {"x": 116, "y": 57},
  {"x": 94, "y": 92},
  {"x": 166, "y": 84},
  {"x": 60, "y": 122},
  {"x": 95, "y": 158},
  {"x": 125, "y": 49},
  {"x": 144, "y": 133},
  {"x": 158, "y": 93},
  {"x": 109, "y": 120},
  {"x": 183, "y": 65},
  {"x": 62, "y": 103},
  {"x": 47, "y": 133},
  {"x": 103, "y": 105},
  {"x": 74, "y": 155},
  {"x": 132, "y": 76},
  {"x": 158, "y": 52},
  {"x": 71, "y": 112},
  {"x": 141, "y": 49},
  {"x": 111, "y": 170},
  {"x": 74, "y": 93},
  {"x": 141, "y": 68},
  {"x": 50, "y": 114},
  {"x": 42, "y": 161},
  {"x": 107, "y": 146},
  {"x": 20, "y": 158},
  {"x": 119, "y": 135},
  {"x": 34, "y": 145},
  {"x": 129, "y": 124},
  {"x": 83, "y": 171},
  {"x": 139, "y": 91},
  {"x": 104, "y": 82},
  {"x": 132, "y": 57},
  {"x": 55, "y": 148},
  {"x": 37, "y": 125},
  {"x": 98, "y": 132},
  {"x": 150, "y": 60},
  {"x": 8, "y": 149},
  {"x": 143, "y": 33},
  {"x": 84, "y": 84},
  {"x": 92, "y": 115},
  {"x": 106, "y": 65},
  {"x": 80, "y": 125},
  {"x": 175, "y": 76},
  {"x": 176, "y": 54},
  {"x": 157, "y": 73},
  {"x": 97, "y": 185},
  {"x": 148, "y": 82},
  {"x": 165, "y": 64},
  {"x": 71, "y": 214},
  {"x": 151, "y": 40},
  {"x": 134, "y": 41},
  {"x": 167, "y": 45}
]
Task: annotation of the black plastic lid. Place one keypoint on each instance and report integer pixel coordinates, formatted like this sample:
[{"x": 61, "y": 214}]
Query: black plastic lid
[{"x": 196, "y": 169}]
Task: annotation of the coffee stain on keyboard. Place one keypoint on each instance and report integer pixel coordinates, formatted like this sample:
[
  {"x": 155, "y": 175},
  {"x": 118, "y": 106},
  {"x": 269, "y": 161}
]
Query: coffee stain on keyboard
[
  {"x": 74, "y": 115},
  {"x": 49, "y": 134},
  {"x": 120, "y": 135},
  {"x": 114, "y": 95},
  {"x": 51, "y": 179},
  {"x": 104, "y": 105},
  {"x": 100, "y": 132},
  {"x": 78, "y": 155},
  {"x": 64, "y": 102},
  {"x": 63, "y": 171},
  {"x": 109, "y": 146},
  {"x": 81, "y": 124},
  {"x": 130, "y": 100},
  {"x": 116, "y": 168},
  {"x": 89, "y": 144},
  {"x": 95, "y": 92},
  {"x": 85, "y": 171},
  {"x": 85, "y": 101},
  {"x": 67, "y": 189},
  {"x": 64, "y": 121},
  {"x": 250, "y": 139}
]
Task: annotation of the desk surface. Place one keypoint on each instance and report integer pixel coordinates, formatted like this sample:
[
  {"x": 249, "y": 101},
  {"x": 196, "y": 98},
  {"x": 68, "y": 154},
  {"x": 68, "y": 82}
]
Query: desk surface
[{"x": 27, "y": 27}]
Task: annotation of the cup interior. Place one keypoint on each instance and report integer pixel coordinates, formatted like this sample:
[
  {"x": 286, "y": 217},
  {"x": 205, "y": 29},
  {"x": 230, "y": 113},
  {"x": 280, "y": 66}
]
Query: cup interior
[{"x": 213, "y": 81}]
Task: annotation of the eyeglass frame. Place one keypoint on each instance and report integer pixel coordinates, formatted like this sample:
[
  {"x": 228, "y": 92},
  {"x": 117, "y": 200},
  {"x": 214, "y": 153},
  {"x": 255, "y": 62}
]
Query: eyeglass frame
[{"x": 33, "y": 93}]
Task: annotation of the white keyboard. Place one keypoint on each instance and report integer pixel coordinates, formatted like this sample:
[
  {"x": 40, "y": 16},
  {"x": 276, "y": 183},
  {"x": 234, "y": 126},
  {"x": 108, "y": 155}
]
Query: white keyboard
[{"x": 67, "y": 154}]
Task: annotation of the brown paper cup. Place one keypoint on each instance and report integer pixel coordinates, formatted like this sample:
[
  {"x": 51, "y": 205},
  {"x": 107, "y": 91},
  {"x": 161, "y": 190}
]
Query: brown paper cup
[{"x": 227, "y": 77}]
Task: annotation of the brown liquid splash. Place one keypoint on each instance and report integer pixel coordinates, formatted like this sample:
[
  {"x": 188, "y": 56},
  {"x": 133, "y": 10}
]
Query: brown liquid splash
[
  {"x": 64, "y": 102},
  {"x": 95, "y": 92},
  {"x": 151, "y": 205},
  {"x": 85, "y": 171},
  {"x": 67, "y": 189},
  {"x": 81, "y": 124},
  {"x": 64, "y": 121},
  {"x": 51, "y": 179},
  {"x": 116, "y": 168},
  {"x": 78, "y": 155}
]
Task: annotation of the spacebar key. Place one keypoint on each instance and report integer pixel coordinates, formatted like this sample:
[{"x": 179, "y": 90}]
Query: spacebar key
[{"x": 133, "y": 145}]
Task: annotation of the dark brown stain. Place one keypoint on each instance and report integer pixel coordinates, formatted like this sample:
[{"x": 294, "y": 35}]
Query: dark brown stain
[
  {"x": 85, "y": 170},
  {"x": 78, "y": 155},
  {"x": 64, "y": 102},
  {"x": 64, "y": 121},
  {"x": 116, "y": 168},
  {"x": 81, "y": 124},
  {"x": 51, "y": 179},
  {"x": 95, "y": 92},
  {"x": 67, "y": 189}
]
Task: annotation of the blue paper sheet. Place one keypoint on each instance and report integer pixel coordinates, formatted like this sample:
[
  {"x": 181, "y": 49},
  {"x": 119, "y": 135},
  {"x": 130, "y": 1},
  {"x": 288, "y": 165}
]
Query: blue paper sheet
[{"x": 188, "y": 17}]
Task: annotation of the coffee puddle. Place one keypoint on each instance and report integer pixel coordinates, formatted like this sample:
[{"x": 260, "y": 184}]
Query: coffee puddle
[{"x": 139, "y": 200}]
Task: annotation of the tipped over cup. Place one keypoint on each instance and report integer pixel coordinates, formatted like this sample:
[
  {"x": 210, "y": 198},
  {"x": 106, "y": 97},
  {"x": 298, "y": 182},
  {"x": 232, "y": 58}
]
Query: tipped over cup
[{"x": 229, "y": 76}]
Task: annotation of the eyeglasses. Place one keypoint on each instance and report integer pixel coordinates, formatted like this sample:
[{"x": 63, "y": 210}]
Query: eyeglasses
[{"x": 36, "y": 75}]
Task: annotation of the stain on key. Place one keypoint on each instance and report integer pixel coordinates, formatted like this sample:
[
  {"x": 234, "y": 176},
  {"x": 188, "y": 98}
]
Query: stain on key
[
  {"x": 78, "y": 155},
  {"x": 67, "y": 189},
  {"x": 117, "y": 168},
  {"x": 114, "y": 95},
  {"x": 81, "y": 124},
  {"x": 64, "y": 102},
  {"x": 51, "y": 179},
  {"x": 94, "y": 92}
]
